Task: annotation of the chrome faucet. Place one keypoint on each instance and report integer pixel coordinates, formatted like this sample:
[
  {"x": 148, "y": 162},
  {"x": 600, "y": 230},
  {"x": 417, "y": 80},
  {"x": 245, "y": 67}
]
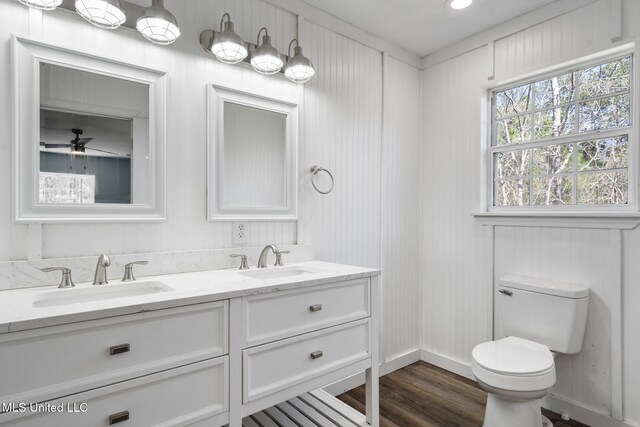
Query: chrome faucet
[
  {"x": 262, "y": 261},
  {"x": 100, "y": 278}
]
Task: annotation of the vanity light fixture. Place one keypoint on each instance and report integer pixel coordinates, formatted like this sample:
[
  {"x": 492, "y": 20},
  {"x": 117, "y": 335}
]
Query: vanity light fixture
[
  {"x": 299, "y": 68},
  {"x": 42, "y": 4},
  {"x": 228, "y": 46},
  {"x": 157, "y": 24},
  {"x": 266, "y": 58},
  {"x": 457, "y": 4},
  {"x": 107, "y": 14}
]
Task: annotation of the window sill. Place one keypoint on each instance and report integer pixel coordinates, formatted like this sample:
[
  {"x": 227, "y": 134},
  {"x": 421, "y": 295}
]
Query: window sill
[{"x": 602, "y": 220}]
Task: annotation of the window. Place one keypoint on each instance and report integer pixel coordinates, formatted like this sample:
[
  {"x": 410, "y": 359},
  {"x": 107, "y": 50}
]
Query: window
[{"x": 564, "y": 140}]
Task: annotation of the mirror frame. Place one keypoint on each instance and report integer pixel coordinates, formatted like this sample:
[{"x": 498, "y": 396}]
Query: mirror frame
[
  {"x": 27, "y": 55},
  {"x": 216, "y": 209}
]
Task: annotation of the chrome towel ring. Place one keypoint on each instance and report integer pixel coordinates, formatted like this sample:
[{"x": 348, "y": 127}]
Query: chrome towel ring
[{"x": 314, "y": 171}]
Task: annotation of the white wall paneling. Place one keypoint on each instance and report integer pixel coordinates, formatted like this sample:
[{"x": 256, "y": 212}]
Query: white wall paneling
[
  {"x": 462, "y": 259},
  {"x": 342, "y": 132},
  {"x": 456, "y": 251},
  {"x": 401, "y": 208},
  {"x": 341, "y": 112},
  {"x": 580, "y": 256}
]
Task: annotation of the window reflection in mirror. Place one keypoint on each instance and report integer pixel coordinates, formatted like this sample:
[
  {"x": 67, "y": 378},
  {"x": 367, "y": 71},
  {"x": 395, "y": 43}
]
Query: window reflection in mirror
[
  {"x": 255, "y": 157},
  {"x": 94, "y": 138}
]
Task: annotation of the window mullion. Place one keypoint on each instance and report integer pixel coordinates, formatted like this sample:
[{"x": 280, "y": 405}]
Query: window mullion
[
  {"x": 566, "y": 139},
  {"x": 574, "y": 189},
  {"x": 576, "y": 105}
]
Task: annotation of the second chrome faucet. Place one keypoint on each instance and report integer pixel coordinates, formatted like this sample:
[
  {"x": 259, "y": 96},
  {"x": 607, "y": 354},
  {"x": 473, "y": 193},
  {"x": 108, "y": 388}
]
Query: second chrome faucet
[{"x": 262, "y": 260}]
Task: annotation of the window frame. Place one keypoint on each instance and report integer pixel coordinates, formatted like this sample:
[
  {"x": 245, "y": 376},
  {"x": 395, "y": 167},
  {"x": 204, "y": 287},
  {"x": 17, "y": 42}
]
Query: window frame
[{"x": 633, "y": 131}]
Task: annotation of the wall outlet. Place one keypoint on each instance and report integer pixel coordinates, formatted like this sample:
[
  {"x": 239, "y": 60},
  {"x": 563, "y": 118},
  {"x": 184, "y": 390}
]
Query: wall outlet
[{"x": 240, "y": 232}]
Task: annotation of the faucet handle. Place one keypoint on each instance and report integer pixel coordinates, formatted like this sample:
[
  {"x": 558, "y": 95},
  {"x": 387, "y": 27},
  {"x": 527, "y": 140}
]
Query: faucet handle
[
  {"x": 243, "y": 261},
  {"x": 66, "y": 281},
  {"x": 279, "y": 258},
  {"x": 128, "y": 270}
]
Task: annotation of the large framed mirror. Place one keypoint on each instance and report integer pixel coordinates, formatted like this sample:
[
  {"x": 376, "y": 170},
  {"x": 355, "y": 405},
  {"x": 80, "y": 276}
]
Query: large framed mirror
[
  {"x": 252, "y": 147},
  {"x": 89, "y": 137}
]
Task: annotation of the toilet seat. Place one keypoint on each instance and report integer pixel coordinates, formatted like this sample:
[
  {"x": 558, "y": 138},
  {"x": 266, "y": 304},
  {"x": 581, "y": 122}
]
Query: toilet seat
[{"x": 514, "y": 364}]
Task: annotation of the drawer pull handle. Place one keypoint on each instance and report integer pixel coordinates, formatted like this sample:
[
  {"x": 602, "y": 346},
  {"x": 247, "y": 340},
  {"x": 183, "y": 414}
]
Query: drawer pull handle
[
  {"x": 315, "y": 307},
  {"x": 316, "y": 355},
  {"x": 118, "y": 418},
  {"x": 119, "y": 349}
]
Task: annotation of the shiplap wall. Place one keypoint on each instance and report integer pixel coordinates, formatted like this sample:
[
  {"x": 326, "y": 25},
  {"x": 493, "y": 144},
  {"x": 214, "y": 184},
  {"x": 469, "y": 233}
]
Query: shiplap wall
[
  {"x": 401, "y": 207},
  {"x": 456, "y": 264},
  {"x": 462, "y": 259},
  {"x": 342, "y": 132},
  {"x": 341, "y": 129}
]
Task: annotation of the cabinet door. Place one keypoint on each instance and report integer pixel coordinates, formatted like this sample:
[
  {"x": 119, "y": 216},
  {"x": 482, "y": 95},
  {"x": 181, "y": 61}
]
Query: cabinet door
[
  {"x": 176, "y": 397},
  {"x": 47, "y": 363}
]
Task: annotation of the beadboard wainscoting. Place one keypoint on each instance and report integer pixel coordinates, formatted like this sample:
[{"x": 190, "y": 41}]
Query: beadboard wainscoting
[
  {"x": 341, "y": 117},
  {"x": 462, "y": 258}
]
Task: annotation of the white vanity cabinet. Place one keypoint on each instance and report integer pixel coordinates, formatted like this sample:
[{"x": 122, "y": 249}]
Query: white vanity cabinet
[
  {"x": 295, "y": 341},
  {"x": 203, "y": 356},
  {"x": 166, "y": 367}
]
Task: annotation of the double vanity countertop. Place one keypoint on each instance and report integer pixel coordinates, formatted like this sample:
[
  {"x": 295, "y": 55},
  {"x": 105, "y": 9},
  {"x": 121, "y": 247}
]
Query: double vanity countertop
[{"x": 40, "y": 307}]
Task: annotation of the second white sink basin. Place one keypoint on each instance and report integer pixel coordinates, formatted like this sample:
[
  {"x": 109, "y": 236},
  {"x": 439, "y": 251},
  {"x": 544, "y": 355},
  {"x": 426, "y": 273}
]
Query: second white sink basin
[
  {"x": 279, "y": 272},
  {"x": 98, "y": 293}
]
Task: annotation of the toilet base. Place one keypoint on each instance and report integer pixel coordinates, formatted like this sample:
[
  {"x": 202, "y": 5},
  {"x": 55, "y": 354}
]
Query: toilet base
[{"x": 507, "y": 413}]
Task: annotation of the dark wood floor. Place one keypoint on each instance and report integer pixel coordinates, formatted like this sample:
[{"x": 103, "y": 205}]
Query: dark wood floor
[{"x": 423, "y": 395}]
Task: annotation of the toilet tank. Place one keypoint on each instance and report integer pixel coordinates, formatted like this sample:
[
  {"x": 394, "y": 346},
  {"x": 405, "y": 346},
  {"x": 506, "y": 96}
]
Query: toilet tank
[{"x": 553, "y": 314}]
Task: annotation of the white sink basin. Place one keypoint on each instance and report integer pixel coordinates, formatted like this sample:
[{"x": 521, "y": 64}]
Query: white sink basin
[
  {"x": 279, "y": 272},
  {"x": 98, "y": 293}
]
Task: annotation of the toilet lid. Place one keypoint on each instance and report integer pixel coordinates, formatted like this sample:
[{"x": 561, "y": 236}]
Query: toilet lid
[{"x": 513, "y": 356}]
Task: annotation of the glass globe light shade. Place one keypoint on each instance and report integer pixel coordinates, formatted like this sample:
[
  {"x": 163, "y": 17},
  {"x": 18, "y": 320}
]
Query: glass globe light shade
[
  {"x": 227, "y": 46},
  {"x": 42, "y": 4},
  {"x": 299, "y": 69},
  {"x": 266, "y": 58},
  {"x": 158, "y": 25},
  {"x": 106, "y": 14}
]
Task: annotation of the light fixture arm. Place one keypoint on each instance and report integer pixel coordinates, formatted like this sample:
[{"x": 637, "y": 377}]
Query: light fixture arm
[
  {"x": 222, "y": 20},
  {"x": 157, "y": 3},
  {"x": 266, "y": 33},
  {"x": 290, "y": 44}
]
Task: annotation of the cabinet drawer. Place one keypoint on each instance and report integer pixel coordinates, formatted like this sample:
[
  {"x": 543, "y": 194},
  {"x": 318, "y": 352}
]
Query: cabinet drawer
[
  {"x": 275, "y": 366},
  {"x": 277, "y": 315},
  {"x": 46, "y": 363},
  {"x": 175, "y": 397}
]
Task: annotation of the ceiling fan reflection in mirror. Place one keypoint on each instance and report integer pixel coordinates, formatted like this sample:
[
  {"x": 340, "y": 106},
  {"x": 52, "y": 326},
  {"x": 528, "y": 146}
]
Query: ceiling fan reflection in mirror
[{"x": 79, "y": 145}]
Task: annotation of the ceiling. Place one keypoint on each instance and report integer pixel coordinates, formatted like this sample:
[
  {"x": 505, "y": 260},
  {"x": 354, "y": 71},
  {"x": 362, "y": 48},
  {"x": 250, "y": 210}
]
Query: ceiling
[{"x": 425, "y": 26}]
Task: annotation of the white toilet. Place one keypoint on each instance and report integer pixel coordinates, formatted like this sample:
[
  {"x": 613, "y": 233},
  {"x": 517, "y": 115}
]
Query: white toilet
[{"x": 536, "y": 318}]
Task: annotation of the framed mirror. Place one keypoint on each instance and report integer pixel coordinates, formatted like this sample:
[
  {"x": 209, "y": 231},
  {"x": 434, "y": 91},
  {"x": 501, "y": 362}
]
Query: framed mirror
[
  {"x": 89, "y": 137},
  {"x": 252, "y": 153}
]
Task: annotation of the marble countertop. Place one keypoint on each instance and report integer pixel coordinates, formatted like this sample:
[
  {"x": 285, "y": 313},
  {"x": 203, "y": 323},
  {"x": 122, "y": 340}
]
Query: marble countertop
[{"x": 17, "y": 312}]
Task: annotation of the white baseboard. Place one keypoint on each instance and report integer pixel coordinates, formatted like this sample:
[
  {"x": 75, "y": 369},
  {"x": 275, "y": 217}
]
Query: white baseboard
[
  {"x": 557, "y": 404},
  {"x": 451, "y": 365},
  {"x": 354, "y": 381},
  {"x": 584, "y": 415}
]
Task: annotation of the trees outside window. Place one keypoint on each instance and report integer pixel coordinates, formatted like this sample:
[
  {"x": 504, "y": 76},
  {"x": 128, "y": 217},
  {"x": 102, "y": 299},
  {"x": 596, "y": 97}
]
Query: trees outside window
[{"x": 564, "y": 140}]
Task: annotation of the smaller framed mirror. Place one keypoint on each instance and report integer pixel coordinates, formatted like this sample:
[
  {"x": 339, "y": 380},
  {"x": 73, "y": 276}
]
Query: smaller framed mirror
[
  {"x": 89, "y": 137},
  {"x": 252, "y": 157}
]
